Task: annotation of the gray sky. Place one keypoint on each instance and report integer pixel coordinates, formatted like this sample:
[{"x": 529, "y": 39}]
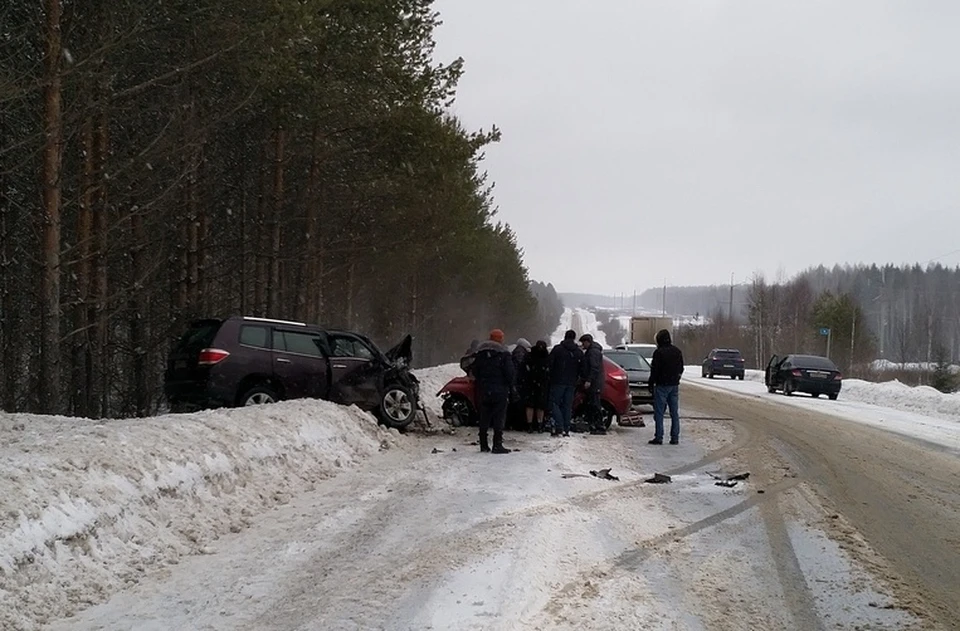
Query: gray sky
[{"x": 684, "y": 140}]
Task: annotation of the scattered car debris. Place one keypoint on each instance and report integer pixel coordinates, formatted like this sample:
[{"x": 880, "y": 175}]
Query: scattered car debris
[
  {"x": 727, "y": 483},
  {"x": 659, "y": 478},
  {"x": 574, "y": 475},
  {"x": 436, "y": 451},
  {"x": 454, "y": 449},
  {"x": 604, "y": 474},
  {"x": 728, "y": 477}
]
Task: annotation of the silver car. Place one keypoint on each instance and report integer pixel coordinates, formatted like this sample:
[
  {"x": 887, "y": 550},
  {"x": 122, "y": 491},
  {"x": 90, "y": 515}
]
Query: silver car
[{"x": 638, "y": 374}]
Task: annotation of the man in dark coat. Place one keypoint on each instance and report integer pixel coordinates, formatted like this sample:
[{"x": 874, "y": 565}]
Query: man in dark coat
[
  {"x": 665, "y": 371},
  {"x": 593, "y": 383},
  {"x": 494, "y": 375},
  {"x": 565, "y": 359}
]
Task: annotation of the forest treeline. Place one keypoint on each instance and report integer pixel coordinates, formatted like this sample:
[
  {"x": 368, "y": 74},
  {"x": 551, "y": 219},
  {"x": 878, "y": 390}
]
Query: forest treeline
[
  {"x": 904, "y": 314},
  {"x": 162, "y": 161}
]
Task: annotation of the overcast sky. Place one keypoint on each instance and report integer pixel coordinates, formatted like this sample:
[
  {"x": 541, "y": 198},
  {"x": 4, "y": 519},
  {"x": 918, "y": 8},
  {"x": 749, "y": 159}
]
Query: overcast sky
[{"x": 646, "y": 140}]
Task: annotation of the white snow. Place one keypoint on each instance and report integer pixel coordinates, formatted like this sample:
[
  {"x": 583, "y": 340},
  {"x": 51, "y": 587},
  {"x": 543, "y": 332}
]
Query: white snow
[
  {"x": 582, "y": 321},
  {"x": 921, "y": 412},
  {"x": 881, "y": 365},
  {"x": 88, "y": 507},
  {"x": 431, "y": 381}
]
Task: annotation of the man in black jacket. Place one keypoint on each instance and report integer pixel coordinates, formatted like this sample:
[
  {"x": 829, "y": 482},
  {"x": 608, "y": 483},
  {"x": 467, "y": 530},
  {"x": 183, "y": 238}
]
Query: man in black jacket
[
  {"x": 593, "y": 383},
  {"x": 493, "y": 371},
  {"x": 565, "y": 359},
  {"x": 665, "y": 371}
]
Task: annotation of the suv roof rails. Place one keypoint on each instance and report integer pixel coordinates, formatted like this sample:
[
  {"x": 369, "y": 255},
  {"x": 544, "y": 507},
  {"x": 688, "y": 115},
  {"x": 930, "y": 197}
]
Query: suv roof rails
[{"x": 290, "y": 322}]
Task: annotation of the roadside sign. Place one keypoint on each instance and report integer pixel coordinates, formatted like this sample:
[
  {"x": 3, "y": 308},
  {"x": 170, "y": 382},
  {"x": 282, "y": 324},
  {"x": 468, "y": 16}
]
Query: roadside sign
[{"x": 824, "y": 331}]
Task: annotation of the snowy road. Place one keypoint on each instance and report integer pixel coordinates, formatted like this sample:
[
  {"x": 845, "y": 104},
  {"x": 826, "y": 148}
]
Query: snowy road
[{"x": 412, "y": 539}]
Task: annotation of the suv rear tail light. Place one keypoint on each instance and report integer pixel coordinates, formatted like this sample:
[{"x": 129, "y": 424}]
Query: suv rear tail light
[
  {"x": 211, "y": 356},
  {"x": 837, "y": 377},
  {"x": 796, "y": 373}
]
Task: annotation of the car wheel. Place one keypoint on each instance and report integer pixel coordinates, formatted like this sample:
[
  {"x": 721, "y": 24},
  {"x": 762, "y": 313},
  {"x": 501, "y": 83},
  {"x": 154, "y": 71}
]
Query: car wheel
[
  {"x": 259, "y": 395},
  {"x": 458, "y": 411},
  {"x": 741, "y": 376},
  {"x": 398, "y": 406},
  {"x": 788, "y": 388},
  {"x": 608, "y": 416},
  {"x": 771, "y": 389},
  {"x": 833, "y": 397},
  {"x": 710, "y": 375}
]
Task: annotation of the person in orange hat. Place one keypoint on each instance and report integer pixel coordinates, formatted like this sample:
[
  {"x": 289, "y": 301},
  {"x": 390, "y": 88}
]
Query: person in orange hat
[{"x": 494, "y": 375}]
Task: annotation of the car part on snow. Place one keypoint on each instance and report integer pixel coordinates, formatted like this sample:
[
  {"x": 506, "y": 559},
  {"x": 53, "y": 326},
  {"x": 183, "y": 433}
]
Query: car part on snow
[
  {"x": 659, "y": 478},
  {"x": 729, "y": 481},
  {"x": 604, "y": 474}
]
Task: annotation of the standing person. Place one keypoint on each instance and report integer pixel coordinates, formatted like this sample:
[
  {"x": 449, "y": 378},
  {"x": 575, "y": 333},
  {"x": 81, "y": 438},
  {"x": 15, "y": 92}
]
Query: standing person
[
  {"x": 593, "y": 382},
  {"x": 466, "y": 362},
  {"x": 665, "y": 371},
  {"x": 565, "y": 359},
  {"x": 515, "y": 416},
  {"x": 494, "y": 374},
  {"x": 520, "y": 352},
  {"x": 535, "y": 384}
]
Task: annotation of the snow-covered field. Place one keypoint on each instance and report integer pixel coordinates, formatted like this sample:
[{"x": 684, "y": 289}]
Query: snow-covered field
[{"x": 921, "y": 412}]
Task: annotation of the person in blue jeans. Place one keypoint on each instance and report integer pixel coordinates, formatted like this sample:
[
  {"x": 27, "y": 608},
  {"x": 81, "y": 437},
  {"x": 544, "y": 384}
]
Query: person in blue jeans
[
  {"x": 665, "y": 371},
  {"x": 565, "y": 360}
]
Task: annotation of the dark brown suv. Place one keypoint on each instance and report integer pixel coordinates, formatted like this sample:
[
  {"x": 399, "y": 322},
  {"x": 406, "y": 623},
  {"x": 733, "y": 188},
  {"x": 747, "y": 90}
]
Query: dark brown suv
[{"x": 248, "y": 361}]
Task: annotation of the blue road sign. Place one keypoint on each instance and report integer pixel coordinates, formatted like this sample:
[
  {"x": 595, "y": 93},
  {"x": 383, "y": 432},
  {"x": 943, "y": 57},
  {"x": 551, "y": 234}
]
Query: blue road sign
[{"x": 824, "y": 331}]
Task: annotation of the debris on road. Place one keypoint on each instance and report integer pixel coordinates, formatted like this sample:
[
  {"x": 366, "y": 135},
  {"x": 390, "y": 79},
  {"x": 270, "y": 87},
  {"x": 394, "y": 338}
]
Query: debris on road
[
  {"x": 729, "y": 480},
  {"x": 604, "y": 474},
  {"x": 436, "y": 451},
  {"x": 659, "y": 478}
]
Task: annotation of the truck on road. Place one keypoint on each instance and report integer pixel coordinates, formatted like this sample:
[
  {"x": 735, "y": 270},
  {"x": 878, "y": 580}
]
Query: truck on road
[{"x": 643, "y": 329}]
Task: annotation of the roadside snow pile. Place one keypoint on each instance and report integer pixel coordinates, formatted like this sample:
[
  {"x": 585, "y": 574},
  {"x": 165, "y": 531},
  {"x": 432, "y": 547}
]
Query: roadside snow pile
[
  {"x": 431, "y": 381},
  {"x": 87, "y": 507},
  {"x": 895, "y": 395},
  {"x": 899, "y": 396}
]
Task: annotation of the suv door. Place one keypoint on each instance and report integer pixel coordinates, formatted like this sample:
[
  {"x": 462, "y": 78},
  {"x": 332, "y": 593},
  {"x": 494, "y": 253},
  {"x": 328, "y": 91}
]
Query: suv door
[
  {"x": 300, "y": 364},
  {"x": 356, "y": 371}
]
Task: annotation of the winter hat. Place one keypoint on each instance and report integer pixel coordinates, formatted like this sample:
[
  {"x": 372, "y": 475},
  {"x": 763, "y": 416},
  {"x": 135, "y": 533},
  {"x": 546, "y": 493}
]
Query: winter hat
[
  {"x": 522, "y": 342},
  {"x": 497, "y": 336},
  {"x": 586, "y": 337}
]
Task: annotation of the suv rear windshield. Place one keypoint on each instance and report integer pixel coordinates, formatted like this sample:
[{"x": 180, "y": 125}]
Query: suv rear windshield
[
  {"x": 726, "y": 354},
  {"x": 199, "y": 336}
]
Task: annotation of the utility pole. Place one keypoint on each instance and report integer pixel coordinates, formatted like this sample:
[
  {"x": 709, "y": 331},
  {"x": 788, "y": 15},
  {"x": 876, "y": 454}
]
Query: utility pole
[
  {"x": 663, "y": 301},
  {"x": 634, "y": 302},
  {"x": 730, "y": 316}
]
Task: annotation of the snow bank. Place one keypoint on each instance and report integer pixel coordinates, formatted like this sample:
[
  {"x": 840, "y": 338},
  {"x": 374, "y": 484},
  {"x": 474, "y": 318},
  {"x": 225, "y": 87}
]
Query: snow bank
[
  {"x": 894, "y": 395},
  {"x": 87, "y": 507},
  {"x": 881, "y": 365}
]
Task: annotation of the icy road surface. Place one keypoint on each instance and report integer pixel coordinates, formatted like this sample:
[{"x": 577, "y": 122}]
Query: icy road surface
[{"x": 411, "y": 539}]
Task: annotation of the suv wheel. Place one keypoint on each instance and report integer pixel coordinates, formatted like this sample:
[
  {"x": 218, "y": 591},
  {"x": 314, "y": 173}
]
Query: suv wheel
[
  {"x": 398, "y": 406},
  {"x": 259, "y": 395},
  {"x": 788, "y": 388}
]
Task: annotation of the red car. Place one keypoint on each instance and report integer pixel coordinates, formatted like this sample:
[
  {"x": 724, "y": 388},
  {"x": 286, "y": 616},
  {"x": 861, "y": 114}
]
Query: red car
[{"x": 460, "y": 402}]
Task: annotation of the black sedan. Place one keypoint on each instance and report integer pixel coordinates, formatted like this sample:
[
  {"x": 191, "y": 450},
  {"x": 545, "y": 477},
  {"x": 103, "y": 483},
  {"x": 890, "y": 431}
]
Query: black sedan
[{"x": 811, "y": 374}]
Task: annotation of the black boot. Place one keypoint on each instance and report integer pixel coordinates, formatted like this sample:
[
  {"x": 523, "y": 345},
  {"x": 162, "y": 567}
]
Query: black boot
[
  {"x": 498, "y": 447},
  {"x": 484, "y": 445}
]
